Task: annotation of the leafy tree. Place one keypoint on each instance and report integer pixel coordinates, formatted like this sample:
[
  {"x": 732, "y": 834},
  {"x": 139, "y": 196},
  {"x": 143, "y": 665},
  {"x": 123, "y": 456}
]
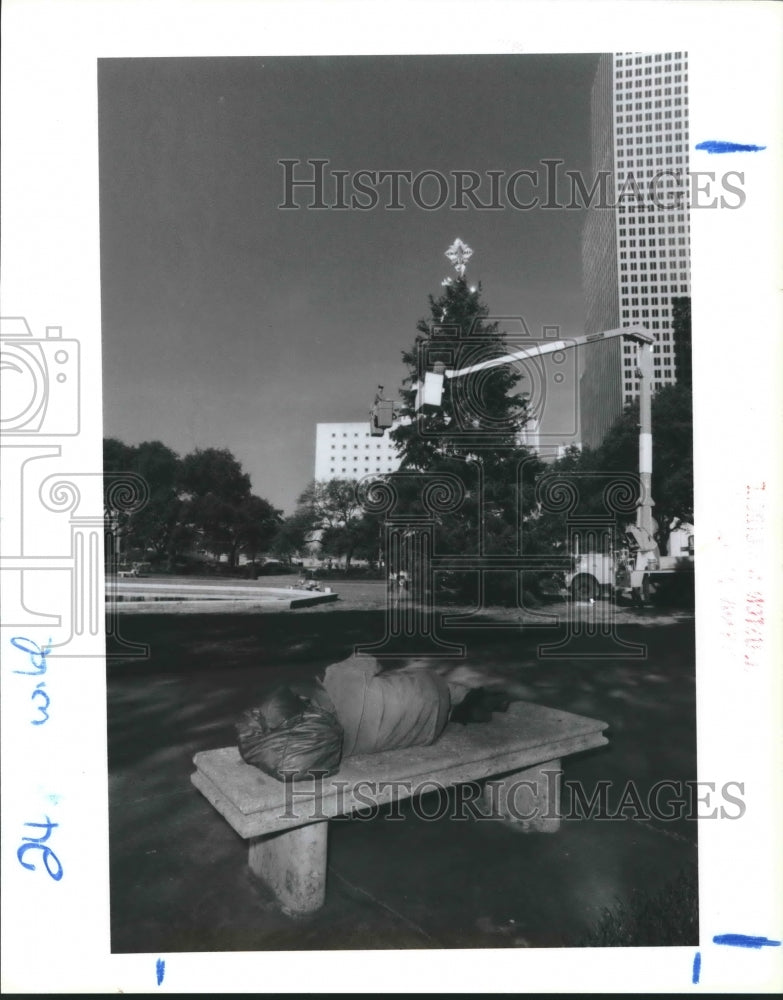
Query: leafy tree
[
  {"x": 292, "y": 536},
  {"x": 672, "y": 433},
  {"x": 117, "y": 456},
  {"x": 459, "y": 332},
  {"x": 213, "y": 521},
  {"x": 331, "y": 503},
  {"x": 672, "y": 483},
  {"x": 360, "y": 538},
  {"x": 155, "y": 524},
  {"x": 672, "y": 457},
  {"x": 473, "y": 436},
  {"x": 214, "y": 471},
  {"x": 368, "y": 539},
  {"x": 256, "y": 526},
  {"x": 228, "y": 518},
  {"x": 204, "y": 498},
  {"x": 155, "y": 528},
  {"x": 333, "y": 510}
]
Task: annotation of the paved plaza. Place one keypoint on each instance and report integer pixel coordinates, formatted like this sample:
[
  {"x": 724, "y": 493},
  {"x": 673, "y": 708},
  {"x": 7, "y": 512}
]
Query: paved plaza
[{"x": 179, "y": 875}]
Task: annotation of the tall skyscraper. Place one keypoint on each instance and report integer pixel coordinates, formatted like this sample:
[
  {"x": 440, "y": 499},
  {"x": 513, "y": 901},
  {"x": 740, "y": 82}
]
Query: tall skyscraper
[{"x": 636, "y": 245}]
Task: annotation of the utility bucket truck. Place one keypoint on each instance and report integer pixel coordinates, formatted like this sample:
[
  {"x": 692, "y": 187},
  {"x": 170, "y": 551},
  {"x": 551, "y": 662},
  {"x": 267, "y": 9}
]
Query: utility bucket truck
[
  {"x": 637, "y": 569},
  {"x": 609, "y": 574}
]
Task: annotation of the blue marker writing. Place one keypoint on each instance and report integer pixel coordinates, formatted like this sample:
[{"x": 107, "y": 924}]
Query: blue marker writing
[
  {"x": 34, "y": 651},
  {"x": 40, "y": 693},
  {"x": 38, "y": 661},
  {"x": 39, "y": 844},
  {"x": 696, "y": 967},
  {"x": 160, "y": 970},
  {"x": 720, "y": 146},
  {"x": 745, "y": 941}
]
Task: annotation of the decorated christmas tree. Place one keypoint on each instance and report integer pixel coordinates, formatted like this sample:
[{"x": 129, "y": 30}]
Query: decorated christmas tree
[
  {"x": 480, "y": 412},
  {"x": 472, "y": 438}
]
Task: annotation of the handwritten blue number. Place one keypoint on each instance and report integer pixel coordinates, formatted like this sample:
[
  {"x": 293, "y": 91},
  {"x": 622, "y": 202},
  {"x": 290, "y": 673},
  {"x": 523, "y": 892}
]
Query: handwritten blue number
[
  {"x": 34, "y": 651},
  {"x": 41, "y": 708},
  {"x": 39, "y": 843}
]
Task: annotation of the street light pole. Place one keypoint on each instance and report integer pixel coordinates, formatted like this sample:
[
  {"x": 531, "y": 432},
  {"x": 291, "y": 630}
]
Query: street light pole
[{"x": 644, "y": 518}]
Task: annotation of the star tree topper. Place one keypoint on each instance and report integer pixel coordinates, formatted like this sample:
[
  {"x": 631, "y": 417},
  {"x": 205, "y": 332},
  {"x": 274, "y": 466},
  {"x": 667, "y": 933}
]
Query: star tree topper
[{"x": 459, "y": 254}]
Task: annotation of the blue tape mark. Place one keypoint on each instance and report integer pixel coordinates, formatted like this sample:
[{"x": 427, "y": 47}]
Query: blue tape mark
[
  {"x": 745, "y": 941},
  {"x": 160, "y": 970},
  {"x": 721, "y": 146},
  {"x": 696, "y": 967}
]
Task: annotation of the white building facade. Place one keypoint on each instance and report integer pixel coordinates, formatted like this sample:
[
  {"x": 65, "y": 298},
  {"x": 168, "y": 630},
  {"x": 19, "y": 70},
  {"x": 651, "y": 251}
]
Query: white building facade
[
  {"x": 636, "y": 254},
  {"x": 349, "y": 451}
]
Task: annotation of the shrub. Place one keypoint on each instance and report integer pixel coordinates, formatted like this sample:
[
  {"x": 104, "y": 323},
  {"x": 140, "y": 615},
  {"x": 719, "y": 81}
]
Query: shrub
[{"x": 669, "y": 917}]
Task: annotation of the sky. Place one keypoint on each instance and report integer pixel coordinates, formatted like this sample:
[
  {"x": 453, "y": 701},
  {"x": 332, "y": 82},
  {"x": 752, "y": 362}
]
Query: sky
[{"x": 229, "y": 322}]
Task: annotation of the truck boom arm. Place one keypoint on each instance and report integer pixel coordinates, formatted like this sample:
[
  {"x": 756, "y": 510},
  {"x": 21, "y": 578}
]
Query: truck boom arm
[
  {"x": 637, "y": 333},
  {"x": 430, "y": 392}
]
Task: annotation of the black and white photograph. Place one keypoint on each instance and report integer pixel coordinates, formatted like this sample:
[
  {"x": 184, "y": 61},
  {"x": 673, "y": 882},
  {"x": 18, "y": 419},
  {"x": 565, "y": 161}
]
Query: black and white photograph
[
  {"x": 282, "y": 264},
  {"x": 387, "y": 571}
]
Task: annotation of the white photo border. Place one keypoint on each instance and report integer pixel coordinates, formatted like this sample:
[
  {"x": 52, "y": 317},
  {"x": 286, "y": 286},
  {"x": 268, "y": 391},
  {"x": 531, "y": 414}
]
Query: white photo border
[{"x": 56, "y": 934}]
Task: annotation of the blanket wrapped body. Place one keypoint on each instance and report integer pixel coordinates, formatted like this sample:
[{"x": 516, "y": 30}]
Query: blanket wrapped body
[{"x": 385, "y": 710}]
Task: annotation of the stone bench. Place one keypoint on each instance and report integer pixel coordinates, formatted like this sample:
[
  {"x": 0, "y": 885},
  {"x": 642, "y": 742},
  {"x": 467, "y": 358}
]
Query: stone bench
[{"x": 285, "y": 824}]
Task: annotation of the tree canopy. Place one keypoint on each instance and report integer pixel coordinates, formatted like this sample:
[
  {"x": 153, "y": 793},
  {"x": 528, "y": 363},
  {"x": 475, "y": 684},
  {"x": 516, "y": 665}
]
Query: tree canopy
[
  {"x": 220, "y": 507},
  {"x": 472, "y": 442},
  {"x": 332, "y": 512},
  {"x": 202, "y": 501},
  {"x": 157, "y": 526},
  {"x": 618, "y": 454},
  {"x": 477, "y": 410}
]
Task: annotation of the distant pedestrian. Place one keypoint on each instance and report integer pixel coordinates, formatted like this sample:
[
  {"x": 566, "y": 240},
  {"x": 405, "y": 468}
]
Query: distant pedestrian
[{"x": 399, "y": 584}]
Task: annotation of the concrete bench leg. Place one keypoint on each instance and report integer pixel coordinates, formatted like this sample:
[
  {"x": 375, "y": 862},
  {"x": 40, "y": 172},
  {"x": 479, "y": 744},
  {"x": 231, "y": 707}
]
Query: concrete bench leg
[
  {"x": 293, "y": 866},
  {"x": 528, "y": 801}
]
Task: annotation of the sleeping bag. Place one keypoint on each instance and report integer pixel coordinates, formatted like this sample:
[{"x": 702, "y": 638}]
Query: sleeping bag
[{"x": 385, "y": 710}]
